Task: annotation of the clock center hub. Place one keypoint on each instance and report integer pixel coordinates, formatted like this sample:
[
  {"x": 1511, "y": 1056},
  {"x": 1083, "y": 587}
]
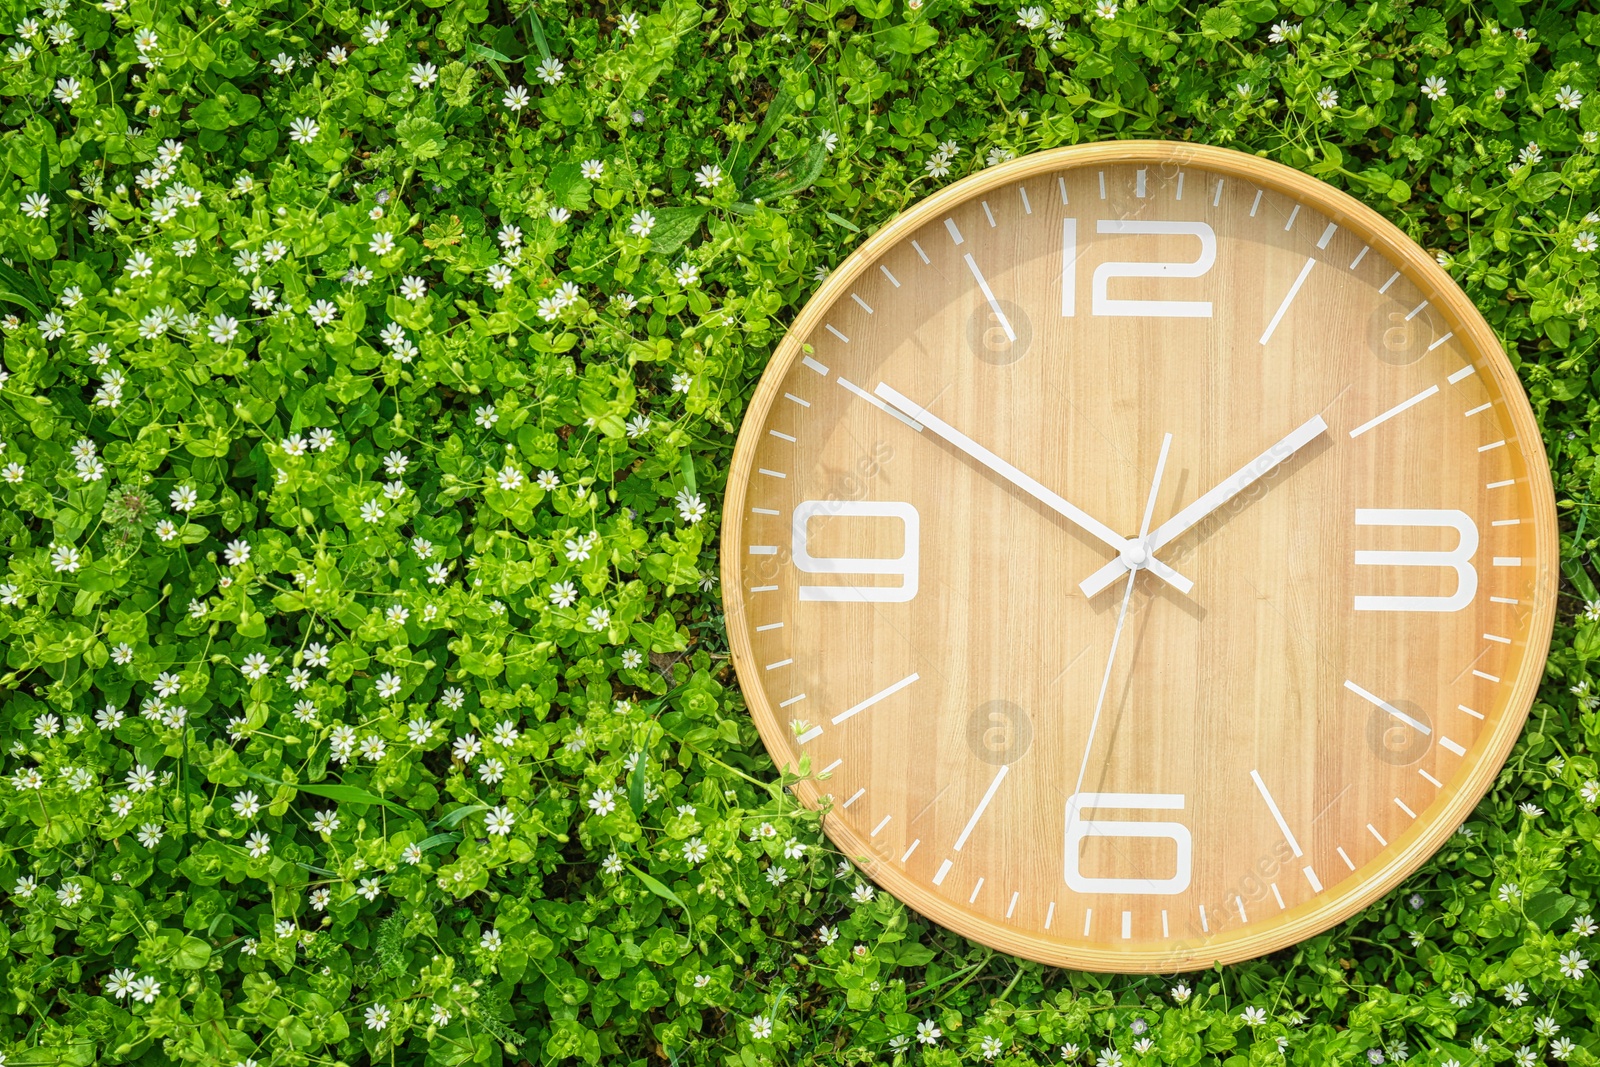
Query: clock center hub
[{"x": 1135, "y": 554}]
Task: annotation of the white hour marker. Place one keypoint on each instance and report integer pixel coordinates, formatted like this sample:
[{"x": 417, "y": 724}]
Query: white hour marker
[
  {"x": 1327, "y": 235},
  {"x": 1061, "y": 183},
  {"x": 988, "y": 214},
  {"x": 1491, "y": 446},
  {"x": 988, "y": 294},
  {"x": 763, "y": 550},
  {"x": 878, "y": 829},
  {"x": 944, "y": 869},
  {"x": 973, "y": 899},
  {"x": 1102, "y": 185},
  {"x": 771, "y": 473},
  {"x": 1292, "y": 215},
  {"x": 1164, "y": 932},
  {"x": 1204, "y": 925},
  {"x": 1179, "y": 194},
  {"x": 1486, "y": 677},
  {"x": 1405, "y": 809},
  {"x": 769, "y": 626},
  {"x": 1392, "y": 412},
  {"x": 1272, "y": 806},
  {"x": 1138, "y": 182},
  {"x": 1354, "y": 263},
  {"x": 810, "y": 735},
  {"x": 1441, "y": 339},
  {"x": 1013, "y": 905},
  {"x": 1069, "y": 267},
  {"x": 955, "y": 234},
  {"x": 892, "y": 279},
  {"x": 780, "y": 663},
  {"x": 1505, "y": 522},
  {"x": 1374, "y": 832},
  {"x": 1503, "y": 600},
  {"x": 1088, "y": 917},
  {"x": 1501, "y": 485},
  {"x": 1469, "y": 711},
  {"x": 1386, "y": 706},
  {"x": 1480, "y": 409},
  {"x": 1347, "y": 860},
  {"x": 920, "y": 252},
  {"x": 791, "y": 700},
  {"x": 1277, "y": 895},
  {"x": 1452, "y": 746},
  {"x": 797, "y": 400},
  {"x": 829, "y": 327},
  {"x": 863, "y": 304},
  {"x": 1217, "y": 199},
  {"x": 1027, "y": 208},
  {"x": 820, "y": 368},
  {"x": 911, "y": 849},
  {"x": 1311, "y": 876},
  {"x": 1384, "y": 288},
  {"x": 1255, "y": 204},
  {"x": 1127, "y": 926},
  {"x": 1242, "y": 916},
  {"x": 782, "y": 437},
  {"x": 1436, "y": 783},
  {"x": 1497, "y": 639},
  {"x": 1050, "y": 912},
  {"x": 1508, "y": 561},
  {"x": 977, "y": 814},
  {"x": 1414, "y": 312},
  {"x": 763, "y": 589},
  {"x": 1288, "y": 298},
  {"x": 874, "y": 698},
  {"x": 830, "y": 768}
]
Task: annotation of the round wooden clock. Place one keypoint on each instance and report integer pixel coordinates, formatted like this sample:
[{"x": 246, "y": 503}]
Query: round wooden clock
[{"x": 1146, "y": 550}]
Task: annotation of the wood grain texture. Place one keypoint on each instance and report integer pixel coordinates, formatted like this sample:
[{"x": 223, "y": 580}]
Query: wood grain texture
[{"x": 1257, "y": 690}]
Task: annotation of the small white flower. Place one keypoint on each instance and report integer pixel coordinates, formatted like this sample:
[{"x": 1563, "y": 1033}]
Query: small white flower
[
  {"x": 1327, "y": 98},
  {"x": 1573, "y": 965},
  {"x": 423, "y": 75},
  {"x": 760, "y": 1027},
  {"x": 500, "y": 820},
  {"x": 862, "y": 893},
  {"x": 35, "y": 205},
  {"x": 1253, "y": 1016},
  {"x": 515, "y": 98},
  {"x": 304, "y": 130},
  {"x": 1283, "y": 31},
  {"x": 65, "y": 558},
  {"x": 551, "y": 71},
  {"x": 1106, "y": 9},
  {"x": 325, "y": 822},
  {"x": 377, "y": 1017},
  {"x": 928, "y": 1032},
  {"x": 237, "y": 553},
  {"x": 1568, "y": 98},
  {"x": 375, "y": 33},
  {"x": 641, "y": 224},
  {"x": 603, "y": 802},
  {"x": 708, "y": 176},
  {"x": 1585, "y": 242},
  {"x": 1434, "y": 88},
  {"x": 246, "y": 804},
  {"x": 593, "y": 169},
  {"x": 686, "y": 274},
  {"x": 828, "y": 140},
  {"x": 382, "y": 243},
  {"x": 146, "y": 989},
  {"x": 223, "y": 329},
  {"x": 258, "y": 844},
  {"x": 389, "y": 685},
  {"x": 598, "y": 619},
  {"x": 68, "y": 90},
  {"x": 1516, "y": 993}
]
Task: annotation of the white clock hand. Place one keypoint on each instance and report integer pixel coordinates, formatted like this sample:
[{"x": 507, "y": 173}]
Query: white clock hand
[
  {"x": 1225, "y": 491},
  {"x": 1122, "y": 616},
  {"x": 1031, "y": 486}
]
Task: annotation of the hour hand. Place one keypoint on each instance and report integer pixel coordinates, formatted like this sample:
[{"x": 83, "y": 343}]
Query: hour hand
[
  {"x": 1223, "y": 492},
  {"x": 1132, "y": 552}
]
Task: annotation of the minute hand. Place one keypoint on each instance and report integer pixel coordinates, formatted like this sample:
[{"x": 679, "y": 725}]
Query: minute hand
[
  {"x": 1027, "y": 484},
  {"x": 1225, "y": 491}
]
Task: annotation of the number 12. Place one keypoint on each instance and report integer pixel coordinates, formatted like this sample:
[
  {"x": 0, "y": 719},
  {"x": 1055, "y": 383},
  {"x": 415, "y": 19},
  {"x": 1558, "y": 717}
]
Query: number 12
[{"x": 1102, "y": 303}]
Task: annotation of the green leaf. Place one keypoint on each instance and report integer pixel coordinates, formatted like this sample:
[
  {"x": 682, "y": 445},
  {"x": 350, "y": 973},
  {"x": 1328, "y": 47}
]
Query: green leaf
[
  {"x": 453, "y": 817},
  {"x": 674, "y": 226},
  {"x": 689, "y": 481},
  {"x": 636, "y": 784},
  {"x": 658, "y": 888},
  {"x": 192, "y": 954},
  {"x": 337, "y": 792}
]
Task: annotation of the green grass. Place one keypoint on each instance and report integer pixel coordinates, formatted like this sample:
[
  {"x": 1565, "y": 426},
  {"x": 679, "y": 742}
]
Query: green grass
[{"x": 179, "y": 174}]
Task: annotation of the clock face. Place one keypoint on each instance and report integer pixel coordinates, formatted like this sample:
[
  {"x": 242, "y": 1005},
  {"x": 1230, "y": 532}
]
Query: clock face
[{"x": 1147, "y": 552}]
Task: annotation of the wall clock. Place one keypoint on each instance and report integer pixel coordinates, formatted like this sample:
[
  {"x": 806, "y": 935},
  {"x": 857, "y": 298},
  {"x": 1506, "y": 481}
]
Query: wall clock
[{"x": 1148, "y": 550}]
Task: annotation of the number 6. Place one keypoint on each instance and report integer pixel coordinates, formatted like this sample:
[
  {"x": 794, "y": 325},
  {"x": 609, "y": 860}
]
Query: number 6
[{"x": 1079, "y": 828}]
